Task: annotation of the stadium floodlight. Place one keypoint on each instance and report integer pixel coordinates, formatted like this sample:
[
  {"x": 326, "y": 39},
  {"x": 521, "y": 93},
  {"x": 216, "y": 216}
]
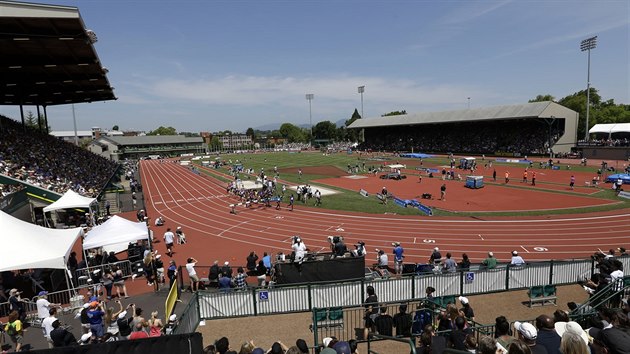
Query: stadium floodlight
[
  {"x": 310, "y": 97},
  {"x": 468, "y": 102},
  {"x": 586, "y": 46},
  {"x": 361, "y": 89}
]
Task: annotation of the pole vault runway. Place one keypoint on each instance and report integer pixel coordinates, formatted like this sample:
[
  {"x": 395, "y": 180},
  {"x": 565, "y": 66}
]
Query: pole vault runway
[{"x": 200, "y": 205}]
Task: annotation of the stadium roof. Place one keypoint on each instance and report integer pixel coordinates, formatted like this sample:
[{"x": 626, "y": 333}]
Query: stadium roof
[
  {"x": 47, "y": 57},
  {"x": 519, "y": 111},
  {"x": 152, "y": 139}
]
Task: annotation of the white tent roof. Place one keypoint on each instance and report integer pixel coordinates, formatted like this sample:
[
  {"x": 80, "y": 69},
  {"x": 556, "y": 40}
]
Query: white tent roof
[
  {"x": 116, "y": 230},
  {"x": 26, "y": 245},
  {"x": 611, "y": 128},
  {"x": 70, "y": 200}
]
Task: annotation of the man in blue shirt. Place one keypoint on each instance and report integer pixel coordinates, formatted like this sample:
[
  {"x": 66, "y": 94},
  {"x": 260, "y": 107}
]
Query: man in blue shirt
[
  {"x": 398, "y": 257},
  {"x": 95, "y": 317}
]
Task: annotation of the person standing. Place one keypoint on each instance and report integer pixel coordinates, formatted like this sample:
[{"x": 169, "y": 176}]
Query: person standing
[
  {"x": 507, "y": 177},
  {"x": 192, "y": 273},
  {"x": 44, "y": 307},
  {"x": 398, "y": 258},
  {"x": 107, "y": 207},
  {"x": 525, "y": 176},
  {"x": 47, "y": 325},
  {"x": 443, "y": 192},
  {"x": 490, "y": 262},
  {"x": 384, "y": 194},
  {"x": 494, "y": 175},
  {"x": 450, "y": 266},
  {"x": 14, "y": 330},
  {"x": 516, "y": 259},
  {"x": 533, "y": 178},
  {"x": 371, "y": 310},
  {"x": 291, "y": 200},
  {"x": 572, "y": 182},
  {"x": 169, "y": 237},
  {"x": 252, "y": 260}
]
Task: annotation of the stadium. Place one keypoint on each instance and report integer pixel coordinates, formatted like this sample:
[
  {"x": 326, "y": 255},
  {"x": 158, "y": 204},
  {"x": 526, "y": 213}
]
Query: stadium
[{"x": 273, "y": 247}]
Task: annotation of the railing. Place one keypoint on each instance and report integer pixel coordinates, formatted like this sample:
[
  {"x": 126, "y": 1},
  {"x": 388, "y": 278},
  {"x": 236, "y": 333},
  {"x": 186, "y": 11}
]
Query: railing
[
  {"x": 84, "y": 274},
  {"x": 189, "y": 320}
]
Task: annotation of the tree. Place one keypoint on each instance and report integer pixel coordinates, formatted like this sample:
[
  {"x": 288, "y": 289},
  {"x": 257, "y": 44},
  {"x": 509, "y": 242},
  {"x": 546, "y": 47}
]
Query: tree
[
  {"x": 31, "y": 120},
  {"x": 543, "y": 98},
  {"x": 250, "y": 132},
  {"x": 163, "y": 131},
  {"x": 115, "y": 128},
  {"x": 325, "y": 130},
  {"x": 215, "y": 144},
  {"x": 394, "y": 113},
  {"x": 189, "y": 134},
  {"x": 293, "y": 133}
]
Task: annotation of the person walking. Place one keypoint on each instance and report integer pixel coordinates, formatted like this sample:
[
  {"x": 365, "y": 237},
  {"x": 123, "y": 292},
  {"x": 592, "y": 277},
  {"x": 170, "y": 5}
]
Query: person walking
[
  {"x": 494, "y": 175},
  {"x": 572, "y": 182},
  {"x": 443, "y": 192},
  {"x": 398, "y": 258},
  {"x": 507, "y": 177},
  {"x": 533, "y": 178},
  {"x": 169, "y": 238}
]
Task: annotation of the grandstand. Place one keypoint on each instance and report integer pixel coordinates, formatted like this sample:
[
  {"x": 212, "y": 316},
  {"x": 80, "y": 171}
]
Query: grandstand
[
  {"x": 118, "y": 148},
  {"x": 514, "y": 130}
]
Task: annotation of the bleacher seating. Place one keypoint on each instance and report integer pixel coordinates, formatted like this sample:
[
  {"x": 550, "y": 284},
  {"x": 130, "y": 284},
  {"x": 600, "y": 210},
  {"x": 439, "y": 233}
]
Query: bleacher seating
[{"x": 542, "y": 295}]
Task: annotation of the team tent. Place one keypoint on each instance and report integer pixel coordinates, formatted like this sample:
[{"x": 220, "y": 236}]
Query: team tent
[
  {"x": 624, "y": 177},
  {"x": 26, "y": 245},
  {"x": 610, "y": 128},
  {"x": 115, "y": 234},
  {"x": 70, "y": 200}
]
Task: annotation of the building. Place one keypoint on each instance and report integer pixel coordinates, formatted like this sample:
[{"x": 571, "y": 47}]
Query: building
[
  {"x": 511, "y": 130},
  {"x": 95, "y": 133},
  {"x": 235, "y": 141},
  {"x": 119, "y": 148}
]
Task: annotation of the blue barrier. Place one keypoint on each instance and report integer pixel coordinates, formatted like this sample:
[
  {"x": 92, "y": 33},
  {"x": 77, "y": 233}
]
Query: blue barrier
[{"x": 415, "y": 204}]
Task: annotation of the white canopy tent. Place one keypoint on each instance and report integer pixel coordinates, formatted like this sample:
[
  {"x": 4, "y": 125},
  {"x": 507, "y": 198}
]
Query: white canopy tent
[
  {"x": 26, "y": 245},
  {"x": 70, "y": 200},
  {"x": 115, "y": 234},
  {"x": 610, "y": 128}
]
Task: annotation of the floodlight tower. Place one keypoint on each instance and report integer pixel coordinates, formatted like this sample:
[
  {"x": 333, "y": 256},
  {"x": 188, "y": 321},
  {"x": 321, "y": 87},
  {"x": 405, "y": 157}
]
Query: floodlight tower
[
  {"x": 361, "y": 89},
  {"x": 310, "y": 97},
  {"x": 586, "y": 46}
]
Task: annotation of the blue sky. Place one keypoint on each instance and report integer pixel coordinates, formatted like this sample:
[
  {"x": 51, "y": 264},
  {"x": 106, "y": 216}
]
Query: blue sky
[{"x": 214, "y": 65}]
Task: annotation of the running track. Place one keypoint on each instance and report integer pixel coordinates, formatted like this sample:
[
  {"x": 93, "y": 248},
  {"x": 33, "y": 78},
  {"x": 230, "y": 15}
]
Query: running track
[{"x": 200, "y": 205}]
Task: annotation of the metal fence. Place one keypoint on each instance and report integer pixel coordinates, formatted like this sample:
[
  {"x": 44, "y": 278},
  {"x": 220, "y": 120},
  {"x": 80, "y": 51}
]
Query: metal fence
[{"x": 83, "y": 275}]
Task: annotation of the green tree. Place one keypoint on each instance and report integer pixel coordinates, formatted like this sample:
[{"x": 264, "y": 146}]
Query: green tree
[
  {"x": 31, "y": 120},
  {"x": 115, "y": 128},
  {"x": 325, "y": 130},
  {"x": 293, "y": 133},
  {"x": 215, "y": 144},
  {"x": 163, "y": 131},
  {"x": 189, "y": 134},
  {"x": 250, "y": 132},
  {"x": 394, "y": 113},
  {"x": 543, "y": 98},
  {"x": 349, "y": 134}
]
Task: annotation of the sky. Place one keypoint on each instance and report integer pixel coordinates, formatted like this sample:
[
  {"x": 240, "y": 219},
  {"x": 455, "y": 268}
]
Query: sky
[{"x": 205, "y": 65}]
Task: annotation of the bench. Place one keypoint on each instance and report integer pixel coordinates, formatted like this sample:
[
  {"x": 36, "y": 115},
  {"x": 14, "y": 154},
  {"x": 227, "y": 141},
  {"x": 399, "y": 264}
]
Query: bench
[
  {"x": 542, "y": 295},
  {"x": 327, "y": 318}
]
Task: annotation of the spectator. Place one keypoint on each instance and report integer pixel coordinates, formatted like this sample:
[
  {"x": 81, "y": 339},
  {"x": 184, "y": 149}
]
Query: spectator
[
  {"x": 155, "y": 325},
  {"x": 61, "y": 337},
  {"x": 547, "y": 335},
  {"x": 520, "y": 347},
  {"x": 384, "y": 322},
  {"x": 527, "y": 334},
  {"x": 464, "y": 265},
  {"x": 43, "y": 306},
  {"x": 458, "y": 336},
  {"x": 240, "y": 279},
  {"x": 490, "y": 262},
  {"x": 138, "y": 332},
  {"x": 402, "y": 322},
  {"x": 371, "y": 310},
  {"x": 47, "y": 326},
  {"x": 252, "y": 259},
  {"x": 192, "y": 273},
  {"x": 503, "y": 332},
  {"x": 516, "y": 259},
  {"x": 487, "y": 345},
  {"x": 468, "y": 311},
  {"x": 449, "y": 266}
]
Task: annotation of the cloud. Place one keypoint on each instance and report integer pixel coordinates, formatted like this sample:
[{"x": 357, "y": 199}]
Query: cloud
[{"x": 471, "y": 11}]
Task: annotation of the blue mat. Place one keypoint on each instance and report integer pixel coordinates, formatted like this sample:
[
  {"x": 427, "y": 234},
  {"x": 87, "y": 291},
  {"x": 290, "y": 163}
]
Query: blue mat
[{"x": 417, "y": 156}]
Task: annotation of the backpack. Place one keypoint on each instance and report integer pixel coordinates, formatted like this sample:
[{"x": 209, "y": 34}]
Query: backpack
[
  {"x": 420, "y": 320},
  {"x": 10, "y": 329}
]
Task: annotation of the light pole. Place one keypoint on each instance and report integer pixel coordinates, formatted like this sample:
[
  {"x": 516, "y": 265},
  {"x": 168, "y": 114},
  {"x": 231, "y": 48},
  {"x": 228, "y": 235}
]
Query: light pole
[
  {"x": 361, "y": 89},
  {"x": 310, "y": 97},
  {"x": 468, "y": 102},
  {"x": 586, "y": 46}
]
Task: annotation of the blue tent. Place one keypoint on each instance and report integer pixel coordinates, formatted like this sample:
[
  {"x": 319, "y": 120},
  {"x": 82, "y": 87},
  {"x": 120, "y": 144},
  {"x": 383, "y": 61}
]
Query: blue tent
[{"x": 625, "y": 177}]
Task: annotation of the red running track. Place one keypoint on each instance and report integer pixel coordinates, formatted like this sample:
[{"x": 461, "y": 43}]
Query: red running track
[{"x": 200, "y": 205}]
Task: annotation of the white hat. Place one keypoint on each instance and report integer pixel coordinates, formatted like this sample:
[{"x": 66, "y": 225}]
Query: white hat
[
  {"x": 86, "y": 337},
  {"x": 173, "y": 317},
  {"x": 514, "y": 253},
  {"x": 122, "y": 314},
  {"x": 226, "y": 263},
  {"x": 327, "y": 341},
  {"x": 526, "y": 329},
  {"x": 158, "y": 256},
  {"x": 436, "y": 249},
  {"x": 395, "y": 243},
  {"x": 463, "y": 300},
  {"x": 490, "y": 254},
  {"x": 571, "y": 327},
  {"x": 179, "y": 228}
]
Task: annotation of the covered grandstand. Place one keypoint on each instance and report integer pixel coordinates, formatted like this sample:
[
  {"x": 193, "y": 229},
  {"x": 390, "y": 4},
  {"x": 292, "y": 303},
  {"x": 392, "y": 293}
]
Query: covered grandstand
[{"x": 514, "y": 130}]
